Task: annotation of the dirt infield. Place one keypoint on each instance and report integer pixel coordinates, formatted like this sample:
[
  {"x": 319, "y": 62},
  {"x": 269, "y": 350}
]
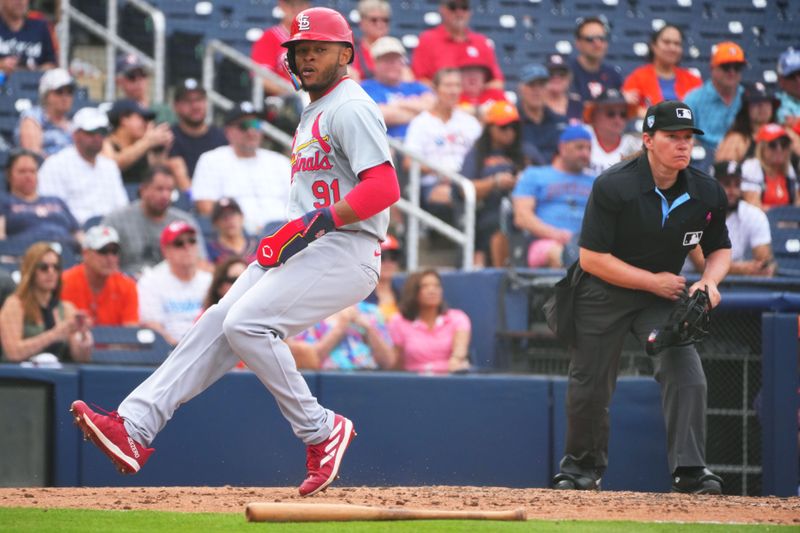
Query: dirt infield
[{"x": 540, "y": 503}]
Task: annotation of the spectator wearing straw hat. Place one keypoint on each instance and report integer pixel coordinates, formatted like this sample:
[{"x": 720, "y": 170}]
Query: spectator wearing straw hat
[{"x": 607, "y": 116}]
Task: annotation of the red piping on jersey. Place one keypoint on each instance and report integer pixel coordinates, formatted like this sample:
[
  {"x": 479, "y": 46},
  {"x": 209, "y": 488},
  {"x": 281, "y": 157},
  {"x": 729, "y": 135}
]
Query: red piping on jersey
[
  {"x": 332, "y": 87},
  {"x": 377, "y": 190}
]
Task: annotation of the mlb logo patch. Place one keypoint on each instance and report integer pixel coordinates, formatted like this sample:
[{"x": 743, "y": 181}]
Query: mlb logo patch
[
  {"x": 692, "y": 238},
  {"x": 684, "y": 113},
  {"x": 651, "y": 120}
]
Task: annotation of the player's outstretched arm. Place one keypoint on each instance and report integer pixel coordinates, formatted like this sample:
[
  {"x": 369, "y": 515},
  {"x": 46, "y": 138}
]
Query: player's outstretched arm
[{"x": 377, "y": 190}]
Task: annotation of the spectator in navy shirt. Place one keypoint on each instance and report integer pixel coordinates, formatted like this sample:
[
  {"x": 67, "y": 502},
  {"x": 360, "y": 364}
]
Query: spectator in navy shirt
[
  {"x": 399, "y": 101},
  {"x": 192, "y": 135},
  {"x": 541, "y": 126},
  {"x": 590, "y": 75},
  {"x": 27, "y": 216},
  {"x": 25, "y": 43}
]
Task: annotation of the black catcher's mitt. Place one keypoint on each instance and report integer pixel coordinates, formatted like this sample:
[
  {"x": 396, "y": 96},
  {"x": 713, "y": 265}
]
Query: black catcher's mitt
[{"x": 687, "y": 324}]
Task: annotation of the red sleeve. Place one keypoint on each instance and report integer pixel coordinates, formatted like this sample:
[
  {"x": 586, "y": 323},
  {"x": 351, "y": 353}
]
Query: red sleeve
[
  {"x": 377, "y": 190},
  {"x": 266, "y": 51},
  {"x": 422, "y": 60}
]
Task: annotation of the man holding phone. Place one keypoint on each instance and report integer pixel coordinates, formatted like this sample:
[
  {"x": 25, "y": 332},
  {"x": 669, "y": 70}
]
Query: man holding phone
[{"x": 98, "y": 290}]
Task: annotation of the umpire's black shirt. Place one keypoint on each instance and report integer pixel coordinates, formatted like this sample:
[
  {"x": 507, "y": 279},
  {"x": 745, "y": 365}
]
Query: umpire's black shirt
[{"x": 629, "y": 218}]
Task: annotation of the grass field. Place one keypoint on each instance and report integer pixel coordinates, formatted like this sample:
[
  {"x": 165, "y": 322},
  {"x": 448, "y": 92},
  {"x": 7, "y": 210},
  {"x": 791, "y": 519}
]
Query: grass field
[{"x": 80, "y": 521}]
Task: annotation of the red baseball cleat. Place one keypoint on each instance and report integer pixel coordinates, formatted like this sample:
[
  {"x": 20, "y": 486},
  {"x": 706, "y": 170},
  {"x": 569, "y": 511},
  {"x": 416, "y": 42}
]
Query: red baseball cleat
[
  {"x": 324, "y": 459},
  {"x": 109, "y": 434}
]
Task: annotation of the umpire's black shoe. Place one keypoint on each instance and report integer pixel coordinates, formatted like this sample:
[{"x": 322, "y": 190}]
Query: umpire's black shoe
[
  {"x": 564, "y": 481},
  {"x": 698, "y": 480}
]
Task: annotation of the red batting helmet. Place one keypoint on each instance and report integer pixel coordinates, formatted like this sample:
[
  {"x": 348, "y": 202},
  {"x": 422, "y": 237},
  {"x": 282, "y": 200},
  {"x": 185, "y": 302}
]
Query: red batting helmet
[{"x": 318, "y": 24}]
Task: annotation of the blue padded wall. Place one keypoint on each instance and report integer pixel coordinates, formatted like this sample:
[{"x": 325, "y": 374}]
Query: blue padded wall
[
  {"x": 65, "y": 439},
  {"x": 637, "y": 449},
  {"x": 457, "y": 430},
  {"x": 232, "y": 434}
]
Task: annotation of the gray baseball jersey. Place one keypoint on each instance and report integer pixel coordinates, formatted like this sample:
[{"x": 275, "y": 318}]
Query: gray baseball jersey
[{"x": 339, "y": 136}]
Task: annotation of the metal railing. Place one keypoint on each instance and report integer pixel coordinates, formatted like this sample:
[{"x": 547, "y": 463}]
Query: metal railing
[
  {"x": 411, "y": 206},
  {"x": 110, "y": 35}
]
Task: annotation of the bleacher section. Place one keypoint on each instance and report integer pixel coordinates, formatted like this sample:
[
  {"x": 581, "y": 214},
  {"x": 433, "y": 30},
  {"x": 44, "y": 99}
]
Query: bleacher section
[{"x": 523, "y": 30}]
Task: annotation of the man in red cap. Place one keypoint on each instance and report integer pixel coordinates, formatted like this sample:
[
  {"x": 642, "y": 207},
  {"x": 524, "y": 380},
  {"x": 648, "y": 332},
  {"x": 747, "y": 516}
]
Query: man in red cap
[
  {"x": 171, "y": 293},
  {"x": 325, "y": 259}
]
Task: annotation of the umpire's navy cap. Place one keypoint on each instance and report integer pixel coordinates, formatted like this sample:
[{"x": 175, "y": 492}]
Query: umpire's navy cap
[{"x": 670, "y": 115}]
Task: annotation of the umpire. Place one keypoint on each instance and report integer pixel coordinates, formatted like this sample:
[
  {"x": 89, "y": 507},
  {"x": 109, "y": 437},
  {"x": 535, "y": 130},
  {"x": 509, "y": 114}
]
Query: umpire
[{"x": 642, "y": 218}]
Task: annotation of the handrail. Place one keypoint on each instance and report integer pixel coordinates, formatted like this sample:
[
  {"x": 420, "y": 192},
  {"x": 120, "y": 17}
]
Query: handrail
[
  {"x": 114, "y": 41},
  {"x": 215, "y": 46},
  {"x": 410, "y": 206}
]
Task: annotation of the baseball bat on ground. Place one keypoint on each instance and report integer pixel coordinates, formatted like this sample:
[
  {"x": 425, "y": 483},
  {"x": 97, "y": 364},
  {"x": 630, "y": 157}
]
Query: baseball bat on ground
[{"x": 341, "y": 512}]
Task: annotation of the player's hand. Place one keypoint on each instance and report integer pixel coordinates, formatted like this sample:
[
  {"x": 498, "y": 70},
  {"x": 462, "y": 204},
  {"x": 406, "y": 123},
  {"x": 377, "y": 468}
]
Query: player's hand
[
  {"x": 669, "y": 286},
  {"x": 293, "y": 237},
  {"x": 713, "y": 292}
]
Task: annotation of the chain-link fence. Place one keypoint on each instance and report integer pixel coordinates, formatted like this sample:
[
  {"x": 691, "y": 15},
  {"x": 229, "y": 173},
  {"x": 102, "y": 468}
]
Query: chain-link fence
[{"x": 731, "y": 357}]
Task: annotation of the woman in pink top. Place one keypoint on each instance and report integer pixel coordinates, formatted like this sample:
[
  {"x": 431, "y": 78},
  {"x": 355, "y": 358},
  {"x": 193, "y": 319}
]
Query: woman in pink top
[{"x": 429, "y": 337}]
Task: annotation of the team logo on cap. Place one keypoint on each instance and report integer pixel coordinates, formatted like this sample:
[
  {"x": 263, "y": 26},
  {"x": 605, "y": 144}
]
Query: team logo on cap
[
  {"x": 651, "y": 120},
  {"x": 683, "y": 112},
  {"x": 303, "y": 23}
]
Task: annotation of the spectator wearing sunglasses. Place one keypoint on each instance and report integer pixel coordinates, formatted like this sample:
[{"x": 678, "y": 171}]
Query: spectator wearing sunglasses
[
  {"x": 591, "y": 75},
  {"x": 442, "y": 46},
  {"x": 136, "y": 143},
  {"x": 789, "y": 82},
  {"x": 171, "y": 294},
  {"x": 541, "y": 126},
  {"x": 716, "y": 102},
  {"x": 607, "y": 116},
  {"x": 770, "y": 178},
  {"x": 256, "y": 178},
  {"x": 36, "y": 325},
  {"x": 45, "y": 128},
  {"x": 26, "y": 215},
  {"x": 89, "y": 182},
  {"x": 268, "y": 52},
  {"x": 133, "y": 80},
  {"x": 97, "y": 287},
  {"x": 26, "y": 41},
  {"x": 375, "y": 16}
]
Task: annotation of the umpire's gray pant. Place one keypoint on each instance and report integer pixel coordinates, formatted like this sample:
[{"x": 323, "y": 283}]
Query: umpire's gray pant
[{"x": 604, "y": 314}]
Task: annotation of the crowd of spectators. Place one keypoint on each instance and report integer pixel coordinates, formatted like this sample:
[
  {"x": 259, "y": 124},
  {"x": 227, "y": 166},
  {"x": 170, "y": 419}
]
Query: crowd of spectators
[{"x": 178, "y": 198}]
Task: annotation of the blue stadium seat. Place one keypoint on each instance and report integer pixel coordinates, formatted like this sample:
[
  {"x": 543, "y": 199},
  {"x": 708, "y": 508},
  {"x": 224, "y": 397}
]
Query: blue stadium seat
[
  {"x": 128, "y": 346},
  {"x": 784, "y": 224}
]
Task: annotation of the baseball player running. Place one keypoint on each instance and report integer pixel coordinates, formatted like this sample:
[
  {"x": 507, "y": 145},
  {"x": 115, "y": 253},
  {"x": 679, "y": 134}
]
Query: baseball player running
[{"x": 326, "y": 258}]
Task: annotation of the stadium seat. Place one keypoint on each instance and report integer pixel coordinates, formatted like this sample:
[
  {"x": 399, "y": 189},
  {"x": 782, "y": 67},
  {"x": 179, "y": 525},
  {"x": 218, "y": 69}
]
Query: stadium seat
[
  {"x": 128, "y": 346},
  {"x": 784, "y": 223}
]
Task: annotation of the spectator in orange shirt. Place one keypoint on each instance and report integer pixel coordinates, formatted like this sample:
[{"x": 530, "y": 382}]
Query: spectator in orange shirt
[
  {"x": 441, "y": 47},
  {"x": 662, "y": 78},
  {"x": 97, "y": 287}
]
